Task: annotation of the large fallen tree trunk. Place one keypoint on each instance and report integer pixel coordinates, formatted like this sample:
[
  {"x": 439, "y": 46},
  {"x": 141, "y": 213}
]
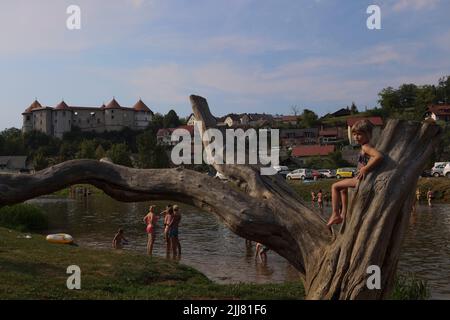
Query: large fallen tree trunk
[{"x": 267, "y": 210}]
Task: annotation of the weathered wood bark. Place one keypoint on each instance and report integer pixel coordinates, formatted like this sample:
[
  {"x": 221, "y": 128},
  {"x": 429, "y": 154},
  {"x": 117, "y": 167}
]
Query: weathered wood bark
[{"x": 265, "y": 209}]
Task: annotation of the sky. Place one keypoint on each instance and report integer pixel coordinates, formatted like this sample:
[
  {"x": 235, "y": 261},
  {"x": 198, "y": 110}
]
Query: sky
[{"x": 242, "y": 55}]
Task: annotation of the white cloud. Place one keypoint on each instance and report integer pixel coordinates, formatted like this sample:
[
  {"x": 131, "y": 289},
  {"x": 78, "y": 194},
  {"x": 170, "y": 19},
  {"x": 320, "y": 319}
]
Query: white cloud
[{"x": 401, "y": 5}]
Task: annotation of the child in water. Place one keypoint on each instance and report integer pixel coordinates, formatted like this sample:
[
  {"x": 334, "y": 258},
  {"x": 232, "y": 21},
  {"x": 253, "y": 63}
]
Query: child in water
[
  {"x": 261, "y": 252},
  {"x": 118, "y": 239},
  {"x": 319, "y": 199},
  {"x": 369, "y": 158},
  {"x": 313, "y": 198},
  {"x": 430, "y": 196}
]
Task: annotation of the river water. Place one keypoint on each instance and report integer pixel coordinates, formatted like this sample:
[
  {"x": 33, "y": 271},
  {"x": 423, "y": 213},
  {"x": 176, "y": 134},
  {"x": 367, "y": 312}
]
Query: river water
[{"x": 210, "y": 247}]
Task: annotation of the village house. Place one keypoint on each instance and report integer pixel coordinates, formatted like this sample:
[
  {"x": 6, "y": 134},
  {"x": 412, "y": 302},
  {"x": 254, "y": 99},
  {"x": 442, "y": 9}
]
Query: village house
[
  {"x": 332, "y": 135},
  {"x": 287, "y": 120},
  {"x": 164, "y": 136},
  {"x": 296, "y": 137},
  {"x": 304, "y": 153},
  {"x": 343, "y": 112},
  {"x": 15, "y": 164},
  {"x": 376, "y": 121},
  {"x": 63, "y": 118},
  {"x": 439, "y": 112}
]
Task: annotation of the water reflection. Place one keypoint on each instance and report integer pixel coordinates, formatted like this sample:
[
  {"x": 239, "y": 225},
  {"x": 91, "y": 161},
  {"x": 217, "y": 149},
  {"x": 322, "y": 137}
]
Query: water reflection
[{"x": 224, "y": 257}]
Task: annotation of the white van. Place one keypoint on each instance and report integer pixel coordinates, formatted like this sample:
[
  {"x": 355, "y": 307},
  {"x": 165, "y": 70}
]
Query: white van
[
  {"x": 446, "y": 172},
  {"x": 438, "y": 169},
  {"x": 301, "y": 174}
]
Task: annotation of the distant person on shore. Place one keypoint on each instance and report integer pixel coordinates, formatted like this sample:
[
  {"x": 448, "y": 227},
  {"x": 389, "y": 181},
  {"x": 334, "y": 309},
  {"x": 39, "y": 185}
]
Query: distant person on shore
[
  {"x": 326, "y": 198},
  {"x": 320, "y": 199},
  {"x": 430, "y": 196},
  {"x": 119, "y": 240},
  {"x": 173, "y": 232},
  {"x": 150, "y": 219},
  {"x": 168, "y": 216},
  {"x": 261, "y": 252},
  {"x": 369, "y": 158},
  {"x": 418, "y": 195},
  {"x": 313, "y": 199}
]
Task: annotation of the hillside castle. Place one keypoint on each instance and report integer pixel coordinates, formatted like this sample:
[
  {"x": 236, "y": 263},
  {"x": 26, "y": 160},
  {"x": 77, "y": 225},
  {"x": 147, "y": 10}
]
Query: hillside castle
[{"x": 55, "y": 121}]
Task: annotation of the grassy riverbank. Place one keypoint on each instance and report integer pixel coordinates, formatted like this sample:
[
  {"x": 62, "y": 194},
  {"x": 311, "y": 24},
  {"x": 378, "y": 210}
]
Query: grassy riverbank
[
  {"x": 440, "y": 187},
  {"x": 35, "y": 269}
]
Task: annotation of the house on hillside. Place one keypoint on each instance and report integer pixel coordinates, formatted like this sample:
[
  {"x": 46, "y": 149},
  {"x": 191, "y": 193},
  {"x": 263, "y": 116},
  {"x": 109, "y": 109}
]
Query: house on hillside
[
  {"x": 343, "y": 112},
  {"x": 376, "y": 121},
  {"x": 287, "y": 120},
  {"x": 15, "y": 164},
  {"x": 304, "y": 153},
  {"x": 332, "y": 135},
  {"x": 439, "y": 112},
  {"x": 296, "y": 137},
  {"x": 164, "y": 135}
]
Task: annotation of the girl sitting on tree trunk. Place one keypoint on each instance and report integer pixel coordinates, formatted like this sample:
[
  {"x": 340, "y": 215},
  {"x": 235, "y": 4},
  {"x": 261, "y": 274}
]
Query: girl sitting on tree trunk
[{"x": 368, "y": 159}]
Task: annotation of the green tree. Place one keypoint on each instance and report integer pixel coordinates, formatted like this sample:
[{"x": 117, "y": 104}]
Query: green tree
[
  {"x": 100, "y": 152},
  {"x": 40, "y": 161},
  {"x": 87, "y": 150},
  {"x": 171, "y": 120},
  {"x": 150, "y": 154},
  {"x": 119, "y": 154},
  {"x": 443, "y": 90},
  {"x": 156, "y": 123},
  {"x": 13, "y": 144},
  {"x": 354, "y": 109},
  {"x": 308, "y": 119}
]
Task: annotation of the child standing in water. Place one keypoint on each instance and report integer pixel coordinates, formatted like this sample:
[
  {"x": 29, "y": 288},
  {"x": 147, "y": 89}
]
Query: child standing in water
[
  {"x": 369, "y": 158},
  {"x": 167, "y": 220},
  {"x": 150, "y": 219},
  {"x": 313, "y": 199},
  {"x": 429, "y": 197},
  {"x": 319, "y": 199}
]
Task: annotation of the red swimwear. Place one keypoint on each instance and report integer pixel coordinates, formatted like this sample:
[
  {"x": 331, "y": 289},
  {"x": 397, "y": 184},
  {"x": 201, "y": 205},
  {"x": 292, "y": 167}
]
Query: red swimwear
[{"x": 149, "y": 228}]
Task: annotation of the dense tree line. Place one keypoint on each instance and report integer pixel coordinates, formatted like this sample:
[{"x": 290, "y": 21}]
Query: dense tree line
[{"x": 126, "y": 147}]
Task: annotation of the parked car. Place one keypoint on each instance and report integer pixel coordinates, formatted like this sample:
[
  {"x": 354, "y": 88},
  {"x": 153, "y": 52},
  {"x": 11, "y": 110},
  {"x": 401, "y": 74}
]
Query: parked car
[
  {"x": 282, "y": 170},
  {"x": 438, "y": 169},
  {"x": 327, "y": 173},
  {"x": 345, "y": 173},
  {"x": 426, "y": 173},
  {"x": 446, "y": 172},
  {"x": 316, "y": 174},
  {"x": 300, "y": 174}
]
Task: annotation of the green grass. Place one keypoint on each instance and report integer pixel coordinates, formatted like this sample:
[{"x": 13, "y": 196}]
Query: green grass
[
  {"x": 408, "y": 287},
  {"x": 35, "y": 269},
  {"x": 23, "y": 217}
]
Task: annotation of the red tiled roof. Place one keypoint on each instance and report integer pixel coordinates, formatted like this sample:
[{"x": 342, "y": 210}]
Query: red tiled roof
[
  {"x": 313, "y": 150},
  {"x": 165, "y": 131},
  {"x": 328, "y": 132},
  {"x": 34, "y": 105},
  {"x": 113, "y": 105},
  {"x": 288, "y": 118},
  {"x": 376, "y": 121},
  {"x": 141, "y": 106},
  {"x": 62, "y": 105},
  {"x": 440, "y": 110}
]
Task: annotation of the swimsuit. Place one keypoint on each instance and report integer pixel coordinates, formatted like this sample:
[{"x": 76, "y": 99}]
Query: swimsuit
[
  {"x": 173, "y": 232},
  {"x": 150, "y": 228}
]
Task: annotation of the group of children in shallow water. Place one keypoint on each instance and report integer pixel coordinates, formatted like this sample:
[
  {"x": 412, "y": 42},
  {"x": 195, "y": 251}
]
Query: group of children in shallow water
[{"x": 171, "y": 219}]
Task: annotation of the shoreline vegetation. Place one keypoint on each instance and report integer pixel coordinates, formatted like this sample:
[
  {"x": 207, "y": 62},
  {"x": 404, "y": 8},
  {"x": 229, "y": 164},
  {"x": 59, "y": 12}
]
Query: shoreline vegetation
[{"x": 31, "y": 268}]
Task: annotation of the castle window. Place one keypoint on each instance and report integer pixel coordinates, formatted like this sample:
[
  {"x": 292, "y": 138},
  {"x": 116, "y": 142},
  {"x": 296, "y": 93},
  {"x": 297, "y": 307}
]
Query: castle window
[
  {"x": 112, "y": 117},
  {"x": 64, "y": 113},
  {"x": 92, "y": 114},
  {"x": 98, "y": 120},
  {"x": 28, "y": 118}
]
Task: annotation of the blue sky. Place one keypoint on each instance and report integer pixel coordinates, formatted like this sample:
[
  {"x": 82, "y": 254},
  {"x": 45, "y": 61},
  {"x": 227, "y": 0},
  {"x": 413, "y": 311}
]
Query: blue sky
[{"x": 243, "y": 56}]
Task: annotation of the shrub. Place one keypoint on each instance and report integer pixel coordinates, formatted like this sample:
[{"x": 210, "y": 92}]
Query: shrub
[
  {"x": 408, "y": 287},
  {"x": 23, "y": 217}
]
